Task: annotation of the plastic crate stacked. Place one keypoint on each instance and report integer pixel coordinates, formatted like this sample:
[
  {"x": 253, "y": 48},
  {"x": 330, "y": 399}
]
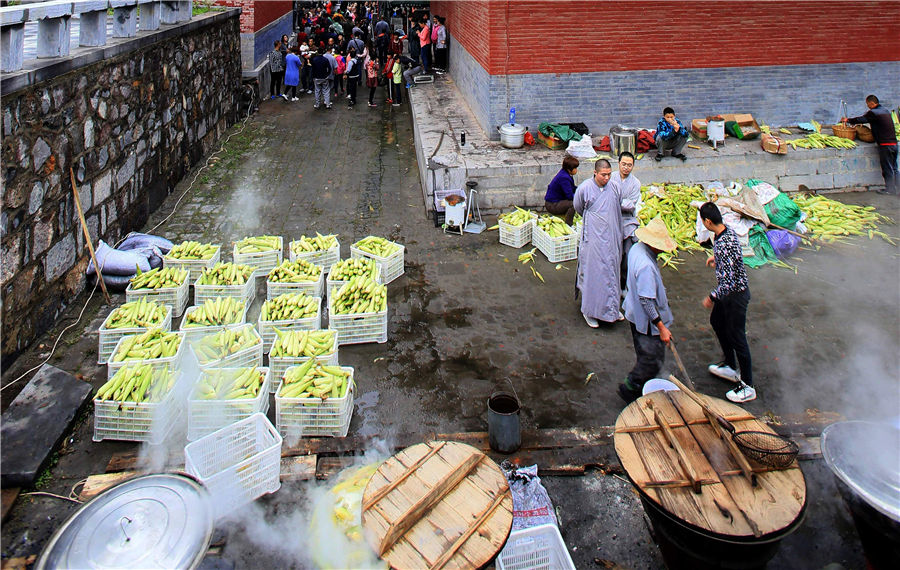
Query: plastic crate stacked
[
  {"x": 266, "y": 328},
  {"x": 326, "y": 257},
  {"x": 237, "y": 463},
  {"x": 246, "y": 292},
  {"x": 109, "y": 337},
  {"x": 516, "y": 235},
  {"x": 194, "y": 266},
  {"x": 262, "y": 261},
  {"x": 171, "y": 363},
  {"x": 313, "y": 416},
  {"x": 280, "y": 364},
  {"x": 312, "y": 288},
  {"x": 358, "y": 328},
  {"x": 151, "y": 422},
  {"x": 208, "y": 415},
  {"x": 338, "y": 283},
  {"x": 556, "y": 249},
  {"x": 218, "y": 356},
  {"x": 391, "y": 265},
  {"x": 194, "y": 332},
  {"x": 175, "y": 297}
]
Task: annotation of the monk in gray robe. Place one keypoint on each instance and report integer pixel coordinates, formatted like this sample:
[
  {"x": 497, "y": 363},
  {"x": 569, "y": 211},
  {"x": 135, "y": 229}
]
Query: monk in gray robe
[{"x": 600, "y": 249}]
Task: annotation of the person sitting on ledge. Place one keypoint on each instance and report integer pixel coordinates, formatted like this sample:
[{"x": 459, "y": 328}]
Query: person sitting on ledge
[
  {"x": 670, "y": 135},
  {"x": 561, "y": 190}
]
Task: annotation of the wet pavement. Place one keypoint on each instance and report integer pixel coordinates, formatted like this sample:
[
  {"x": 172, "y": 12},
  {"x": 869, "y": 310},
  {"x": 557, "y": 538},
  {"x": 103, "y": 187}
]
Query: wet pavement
[{"x": 466, "y": 318}]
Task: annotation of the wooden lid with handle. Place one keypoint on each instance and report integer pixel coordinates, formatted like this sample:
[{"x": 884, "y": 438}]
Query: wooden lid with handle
[
  {"x": 437, "y": 505},
  {"x": 668, "y": 473}
]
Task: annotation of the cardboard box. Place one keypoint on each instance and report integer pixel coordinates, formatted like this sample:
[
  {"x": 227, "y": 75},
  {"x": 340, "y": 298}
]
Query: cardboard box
[
  {"x": 773, "y": 144},
  {"x": 552, "y": 143},
  {"x": 748, "y": 126},
  {"x": 698, "y": 129}
]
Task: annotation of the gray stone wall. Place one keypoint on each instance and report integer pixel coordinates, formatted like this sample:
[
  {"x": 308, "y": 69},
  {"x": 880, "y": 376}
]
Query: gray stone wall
[{"x": 130, "y": 126}]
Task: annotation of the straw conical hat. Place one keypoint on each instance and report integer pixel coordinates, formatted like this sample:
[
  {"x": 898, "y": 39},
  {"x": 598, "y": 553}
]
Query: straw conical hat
[{"x": 656, "y": 235}]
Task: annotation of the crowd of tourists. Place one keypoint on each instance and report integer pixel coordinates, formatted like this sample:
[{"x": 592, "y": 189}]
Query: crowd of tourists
[{"x": 337, "y": 48}]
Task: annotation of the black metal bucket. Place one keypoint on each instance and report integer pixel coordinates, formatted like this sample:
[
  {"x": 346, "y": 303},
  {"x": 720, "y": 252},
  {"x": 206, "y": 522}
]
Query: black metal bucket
[
  {"x": 685, "y": 547},
  {"x": 504, "y": 427},
  {"x": 878, "y": 533}
]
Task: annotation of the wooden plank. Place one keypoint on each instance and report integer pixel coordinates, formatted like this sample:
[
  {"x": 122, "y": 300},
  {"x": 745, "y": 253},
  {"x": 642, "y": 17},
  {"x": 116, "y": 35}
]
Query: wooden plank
[
  {"x": 130, "y": 460},
  {"x": 8, "y": 498},
  {"x": 448, "y": 554},
  {"x": 679, "y": 451},
  {"x": 300, "y": 468},
  {"x": 96, "y": 484},
  {"x": 326, "y": 467}
]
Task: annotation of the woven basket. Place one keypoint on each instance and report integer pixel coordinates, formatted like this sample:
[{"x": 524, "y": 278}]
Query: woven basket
[
  {"x": 864, "y": 133},
  {"x": 844, "y": 131}
]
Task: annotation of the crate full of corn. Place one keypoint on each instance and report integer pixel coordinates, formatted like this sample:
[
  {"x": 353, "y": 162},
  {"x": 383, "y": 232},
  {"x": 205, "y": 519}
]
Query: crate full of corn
[
  {"x": 263, "y": 253},
  {"x": 321, "y": 250},
  {"x": 167, "y": 286},
  {"x": 298, "y": 276},
  {"x": 193, "y": 256},
  {"x": 131, "y": 318}
]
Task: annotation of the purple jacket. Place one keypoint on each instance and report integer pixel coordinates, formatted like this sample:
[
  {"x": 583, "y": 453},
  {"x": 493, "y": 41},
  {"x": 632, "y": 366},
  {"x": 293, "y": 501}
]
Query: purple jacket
[{"x": 562, "y": 187}]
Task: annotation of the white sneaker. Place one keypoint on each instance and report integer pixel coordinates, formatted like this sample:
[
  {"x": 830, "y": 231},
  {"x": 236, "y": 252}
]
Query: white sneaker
[
  {"x": 724, "y": 372},
  {"x": 295, "y": 98},
  {"x": 284, "y": 96},
  {"x": 621, "y": 317},
  {"x": 591, "y": 321},
  {"x": 741, "y": 394}
]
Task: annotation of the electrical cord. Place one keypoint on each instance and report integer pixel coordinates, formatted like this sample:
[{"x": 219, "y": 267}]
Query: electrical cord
[{"x": 100, "y": 271}]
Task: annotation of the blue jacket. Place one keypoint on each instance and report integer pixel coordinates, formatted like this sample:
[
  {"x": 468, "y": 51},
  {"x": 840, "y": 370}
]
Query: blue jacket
[
  {"x": 292, "y": 70},
  {"x": 562, "y": 187}
]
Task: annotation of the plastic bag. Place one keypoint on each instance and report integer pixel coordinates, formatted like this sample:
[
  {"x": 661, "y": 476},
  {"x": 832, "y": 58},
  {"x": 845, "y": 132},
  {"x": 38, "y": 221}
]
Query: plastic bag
[
  {"x": 582, "y": 148},
  {"x": 761, "y": 247},
  {"x": 118, "y": 262},
  {"x": 782, "y": 242},
  {"x": 764, "y": 191},
  {"x": 782, "y": 211},
  {"x": 531, "y": 503},
  {"x": 117, "y": 283}
]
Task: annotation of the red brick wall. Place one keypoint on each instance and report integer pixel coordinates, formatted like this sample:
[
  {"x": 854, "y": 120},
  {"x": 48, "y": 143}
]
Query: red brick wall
[
  {"x": 626, "y": 35},
  {"x": 256, "y": 14}
]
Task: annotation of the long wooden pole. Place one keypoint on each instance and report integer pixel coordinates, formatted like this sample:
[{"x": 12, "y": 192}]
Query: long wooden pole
[{"x": 87, "y": 236}]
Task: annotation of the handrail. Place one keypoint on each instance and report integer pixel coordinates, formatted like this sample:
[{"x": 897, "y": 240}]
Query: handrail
[{"x": 53, "y": 19}]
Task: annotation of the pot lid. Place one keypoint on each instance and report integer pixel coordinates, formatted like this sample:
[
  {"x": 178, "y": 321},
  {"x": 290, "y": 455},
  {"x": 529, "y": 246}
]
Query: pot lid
[
  {"x": 866, "y": 457},
  {"x": 622, "y": 130},
  {"x": 154, "y": 521},
  {"x": 511, "y": 129}
]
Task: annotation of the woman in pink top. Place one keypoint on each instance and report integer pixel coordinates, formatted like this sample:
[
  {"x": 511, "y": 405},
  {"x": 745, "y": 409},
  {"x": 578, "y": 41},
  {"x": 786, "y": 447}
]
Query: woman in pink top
[{"x": 425, "y": 43}]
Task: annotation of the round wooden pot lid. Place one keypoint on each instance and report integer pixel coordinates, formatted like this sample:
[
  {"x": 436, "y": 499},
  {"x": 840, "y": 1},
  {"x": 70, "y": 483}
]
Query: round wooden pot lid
[
  {"x": 699, "y": 480},
  {"x": 440, "y": 504}
]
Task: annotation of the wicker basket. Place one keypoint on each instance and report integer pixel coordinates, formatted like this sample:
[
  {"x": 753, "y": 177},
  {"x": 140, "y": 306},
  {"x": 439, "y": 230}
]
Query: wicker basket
[
  {"x": 864, "y": 133},
  {"x": 844, "y": 131}
]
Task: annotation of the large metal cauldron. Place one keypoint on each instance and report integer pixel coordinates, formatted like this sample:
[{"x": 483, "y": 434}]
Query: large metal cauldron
[
  {"x": 865, "y": 459},
  {"x": 622, "y": 138}
]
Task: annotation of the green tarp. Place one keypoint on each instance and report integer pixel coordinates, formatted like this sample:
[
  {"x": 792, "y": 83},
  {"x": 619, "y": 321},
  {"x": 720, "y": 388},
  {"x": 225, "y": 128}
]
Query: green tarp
[{"x": 561, "y": 132}]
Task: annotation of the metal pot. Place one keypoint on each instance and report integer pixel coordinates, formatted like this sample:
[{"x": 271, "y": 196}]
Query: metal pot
[
  {"x": 512, "y": 136},
  {"x": 153, "y": 521},
  {"x": 865, "y": 459},
  {"x": 622, "y": 138}
]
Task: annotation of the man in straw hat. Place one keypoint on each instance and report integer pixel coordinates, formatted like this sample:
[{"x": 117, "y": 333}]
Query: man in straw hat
[{"x": 646, "y": 306}]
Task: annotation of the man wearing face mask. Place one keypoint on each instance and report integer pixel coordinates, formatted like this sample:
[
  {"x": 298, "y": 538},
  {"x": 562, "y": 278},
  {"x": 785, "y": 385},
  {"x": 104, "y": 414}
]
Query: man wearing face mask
[
  {"x": 600, "y": 249},
  {"x": 629, "y": 188}
]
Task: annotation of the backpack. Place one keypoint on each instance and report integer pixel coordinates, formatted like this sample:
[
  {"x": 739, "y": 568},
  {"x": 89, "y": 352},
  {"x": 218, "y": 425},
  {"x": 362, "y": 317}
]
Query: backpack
[
  {"x": 341, "y": 65},
  {"x": 388, "y": 67}
]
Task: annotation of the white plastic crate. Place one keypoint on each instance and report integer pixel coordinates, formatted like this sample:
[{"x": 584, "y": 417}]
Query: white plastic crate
[
  {"x": 331, "y": 284},
  {"x": 279, "y": 365},
  {"x": 110, "y": 337},
  {"x": 238, "y": 463},
  {"x": 391, "y": 266},
  {"x": 358, "y": 328},
  {"x": 172, "y": 362},
  {"x": 311, "y": 288},
  {"x": 245, "y": 292},
  {"x": 250, "y": 356},
  {"x": 267, "y": 328},
  {"x": 325, "y": 258},
  {"x": 192, "y": 333},
  {"x": 175, "y": 297},
  {"x": 313, "y": 417},
  {"x": 516, "y": 236},
  {"x": 150, "y": 422},
  {"x": 556, "y": 249},
  {"x": 207, "y": 416},
  {"x": 537, "y": 548},
  {"x": 262, "y": 261},
  {"x": 194, "y": 266}
]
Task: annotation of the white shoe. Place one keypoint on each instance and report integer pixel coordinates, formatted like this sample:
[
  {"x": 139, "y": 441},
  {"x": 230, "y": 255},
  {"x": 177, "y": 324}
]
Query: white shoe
[
  {"x": 295, "y": 98},
  {"x": 741, "y": 394},
  {"x": 591, "y": 321},
  {"x": 285, "y": 97},
  {"x": 724, "y": 372},
  {"x": 621, "y": 317}
]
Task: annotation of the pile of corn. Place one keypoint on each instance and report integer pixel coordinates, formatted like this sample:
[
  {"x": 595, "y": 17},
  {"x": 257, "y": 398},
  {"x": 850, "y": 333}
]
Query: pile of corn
[
  {"x": 831, "y": 221},
  {"x": 673, "y": 204},
  {"x": 818, "y": 140}
]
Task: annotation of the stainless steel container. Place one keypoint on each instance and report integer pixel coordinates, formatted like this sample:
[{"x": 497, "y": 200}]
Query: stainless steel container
[
  {"x": 622, "y": 138},
  {"x": 512, "y": 136},
  {"x": 155, "y": 521}
]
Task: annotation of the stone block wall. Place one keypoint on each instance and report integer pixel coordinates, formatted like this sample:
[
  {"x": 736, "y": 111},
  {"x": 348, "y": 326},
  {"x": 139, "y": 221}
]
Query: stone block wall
[{"x": 130, "y": 124}]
